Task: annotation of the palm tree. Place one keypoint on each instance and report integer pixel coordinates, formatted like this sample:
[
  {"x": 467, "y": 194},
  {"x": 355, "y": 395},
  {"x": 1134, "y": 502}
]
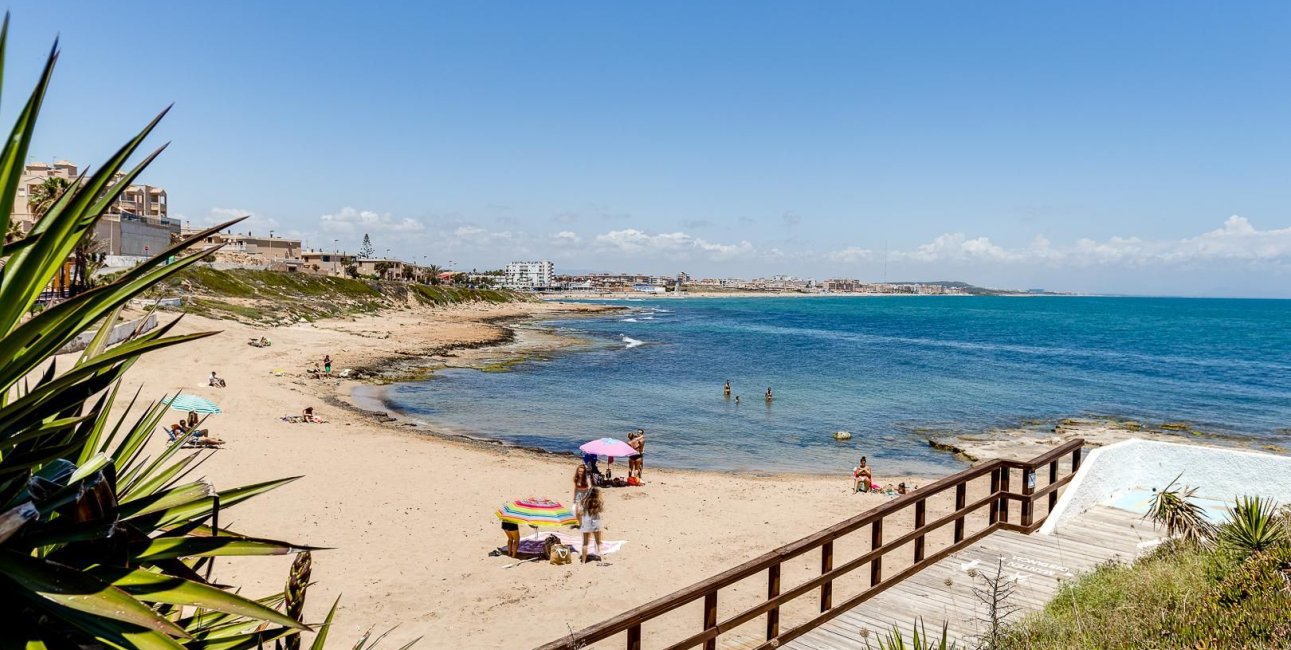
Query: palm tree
[
  {"x": 45, "y": 195},
  {"x": 433, "y": 271},
  {"x": 13, "y": 232}
]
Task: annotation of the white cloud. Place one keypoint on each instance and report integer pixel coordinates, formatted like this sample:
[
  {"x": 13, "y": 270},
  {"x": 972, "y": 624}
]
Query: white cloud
[
  {"x": 566, "y": 238},
  {"x": 1236, "y": 240},
  {"x": 850, "y": 254},
  {"x": 675, "y": 244},
  {"x": 348, "y": 220},
  {"x": 255, "y": 222}
]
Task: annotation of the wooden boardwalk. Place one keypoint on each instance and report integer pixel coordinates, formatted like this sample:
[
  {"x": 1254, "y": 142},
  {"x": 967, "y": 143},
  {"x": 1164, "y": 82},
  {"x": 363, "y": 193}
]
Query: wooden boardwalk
[{"x": 943, "y": 591}]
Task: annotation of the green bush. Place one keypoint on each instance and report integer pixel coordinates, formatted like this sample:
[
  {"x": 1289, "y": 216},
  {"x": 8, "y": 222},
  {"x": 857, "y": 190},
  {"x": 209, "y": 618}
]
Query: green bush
[{"x": 1182, "y": 595}]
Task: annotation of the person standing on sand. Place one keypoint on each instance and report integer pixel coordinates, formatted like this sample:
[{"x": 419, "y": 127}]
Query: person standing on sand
[
  {"x": 726, "y": 391},
  {"x": 581, "y": 484},
  {"x": 637, "y": 442},
  {"x": 589, "y": 521},
  {"x": 512, "y": 531},
  {"x": 327, "y": 363}
]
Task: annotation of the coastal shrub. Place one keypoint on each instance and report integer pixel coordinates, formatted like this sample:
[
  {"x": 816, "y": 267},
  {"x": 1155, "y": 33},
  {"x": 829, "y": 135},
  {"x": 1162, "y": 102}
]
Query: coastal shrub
[
  {"x": 1182, "y": 595},
  {"x": 100, "y": 545},
  {"x": 919, "y": 639},
  {"x": 1174, "y": 509},
  {"x": 1253, "y": 526}
]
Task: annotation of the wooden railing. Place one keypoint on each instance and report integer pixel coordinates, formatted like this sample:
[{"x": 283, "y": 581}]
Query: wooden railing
[{"x": 997, "y": 501}]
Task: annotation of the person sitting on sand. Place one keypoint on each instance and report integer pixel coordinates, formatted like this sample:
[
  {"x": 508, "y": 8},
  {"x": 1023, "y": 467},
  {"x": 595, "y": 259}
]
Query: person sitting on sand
[
  {"x": 307, "y": 415},
  {"x": 901, "y": 489},
  {"x": 589, "y": 461},
  {"x": 862, "y": 477},
  {"x": 582, "y": 484},
  {"x": 589, "y": 521},
  {"x": 215, "y": 381}
]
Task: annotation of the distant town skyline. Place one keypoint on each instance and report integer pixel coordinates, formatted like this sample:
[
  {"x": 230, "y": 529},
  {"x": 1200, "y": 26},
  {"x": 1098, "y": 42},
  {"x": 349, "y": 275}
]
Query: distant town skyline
[{"x": 1098, "y": 148}]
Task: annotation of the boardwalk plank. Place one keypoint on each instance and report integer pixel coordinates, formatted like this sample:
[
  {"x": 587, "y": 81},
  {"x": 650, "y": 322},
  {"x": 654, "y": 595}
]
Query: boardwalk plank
[{"x": 1040, "y": 562}]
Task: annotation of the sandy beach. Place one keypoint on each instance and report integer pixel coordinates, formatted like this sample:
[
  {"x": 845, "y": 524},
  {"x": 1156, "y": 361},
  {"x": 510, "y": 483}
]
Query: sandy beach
[{"x": 407, "y": 514}]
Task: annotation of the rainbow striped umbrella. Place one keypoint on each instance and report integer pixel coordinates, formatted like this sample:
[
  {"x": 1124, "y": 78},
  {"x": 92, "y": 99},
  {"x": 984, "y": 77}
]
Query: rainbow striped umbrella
[{"x": 536, "y": 512}]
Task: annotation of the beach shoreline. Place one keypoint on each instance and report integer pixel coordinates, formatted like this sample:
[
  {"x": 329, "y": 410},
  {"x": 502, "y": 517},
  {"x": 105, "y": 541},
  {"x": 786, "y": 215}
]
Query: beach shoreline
[{"x": 406, "y": 514}]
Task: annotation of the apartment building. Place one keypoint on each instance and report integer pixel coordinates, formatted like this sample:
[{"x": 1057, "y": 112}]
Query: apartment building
[
  {"x": 137, "y": 223},
  {"x": 528, "y": 275}
]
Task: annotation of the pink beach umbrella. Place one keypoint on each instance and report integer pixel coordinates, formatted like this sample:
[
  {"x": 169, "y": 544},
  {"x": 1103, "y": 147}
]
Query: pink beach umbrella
[{"x": 608, "y": 447}]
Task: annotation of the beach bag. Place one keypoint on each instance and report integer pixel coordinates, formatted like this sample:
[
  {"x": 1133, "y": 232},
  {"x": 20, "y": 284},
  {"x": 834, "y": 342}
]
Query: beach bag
[
  {"x": 560, "y": 554},
  {"x": 548, "y": 544},
  {"x": 634, "y": 481}
]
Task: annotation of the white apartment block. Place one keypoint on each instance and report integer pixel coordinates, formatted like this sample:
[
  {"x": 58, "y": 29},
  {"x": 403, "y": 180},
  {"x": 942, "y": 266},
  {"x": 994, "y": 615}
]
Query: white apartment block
[{"x": 528, "y": 275}]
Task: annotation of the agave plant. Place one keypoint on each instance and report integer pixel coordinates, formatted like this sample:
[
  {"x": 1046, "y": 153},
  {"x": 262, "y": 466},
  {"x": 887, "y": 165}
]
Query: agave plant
[
  {"x": 919, "y": 639},
  {"x": 1253, "y": 526},
  {"x": 1174, "y": 509},
  {"x": 101, "y": 545}
]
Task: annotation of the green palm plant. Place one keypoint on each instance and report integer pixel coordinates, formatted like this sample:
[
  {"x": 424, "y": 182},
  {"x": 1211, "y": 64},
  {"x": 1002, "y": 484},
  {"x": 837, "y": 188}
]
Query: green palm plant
[
  {"x": 44, "y": 195},
  {"x": 1174, "y": 509},
  {"x": 100, "y": 544},
  {"x": 1253, "y": 526}
]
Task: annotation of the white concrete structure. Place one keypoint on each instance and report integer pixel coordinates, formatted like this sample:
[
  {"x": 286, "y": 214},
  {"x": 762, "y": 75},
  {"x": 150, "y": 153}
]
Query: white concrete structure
[
  {"x": 528, "y": 275},
  {"x": 1125, "y": 473}
]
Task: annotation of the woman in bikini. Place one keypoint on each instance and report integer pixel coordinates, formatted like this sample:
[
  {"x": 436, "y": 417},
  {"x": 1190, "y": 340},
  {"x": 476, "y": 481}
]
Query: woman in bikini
[
  {"x": 861, "y": 477},
  {"x": 582, "y": 483}
]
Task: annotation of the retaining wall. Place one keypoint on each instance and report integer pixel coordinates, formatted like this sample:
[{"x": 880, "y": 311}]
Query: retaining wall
[{"x": 1218, "y": 474}]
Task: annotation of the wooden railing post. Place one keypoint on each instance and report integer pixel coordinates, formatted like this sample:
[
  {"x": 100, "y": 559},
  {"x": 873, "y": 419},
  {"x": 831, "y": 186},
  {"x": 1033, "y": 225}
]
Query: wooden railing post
[
  {"x": 710, "y": 617},
  {"x": 773, "y": 590},
  {"x": 1004, "y": 502},
  {"x": 995, "y": 503},
  {"x": 1075, "y": 460},
  {"x": 1028, "y": 486},
  {"x": 826, "y": 565},
  {"x": 876, "y": 542},
  {"x": 1053, "y": 478},
  {"x": 961, "y": 500},
  {"x": 634, "y": 637},
  {"x": 920, "y": 518}
]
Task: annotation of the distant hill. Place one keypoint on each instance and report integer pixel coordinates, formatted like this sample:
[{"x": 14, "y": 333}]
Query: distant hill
[{"x": 974, "y": 290}]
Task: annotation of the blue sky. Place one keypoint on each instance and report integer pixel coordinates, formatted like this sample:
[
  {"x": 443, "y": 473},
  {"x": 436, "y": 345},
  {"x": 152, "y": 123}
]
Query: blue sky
[{"x": 1088, "y": 146}]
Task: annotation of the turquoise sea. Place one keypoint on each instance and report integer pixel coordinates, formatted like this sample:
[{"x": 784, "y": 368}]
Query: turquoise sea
[{"x": 885, "y": 368}]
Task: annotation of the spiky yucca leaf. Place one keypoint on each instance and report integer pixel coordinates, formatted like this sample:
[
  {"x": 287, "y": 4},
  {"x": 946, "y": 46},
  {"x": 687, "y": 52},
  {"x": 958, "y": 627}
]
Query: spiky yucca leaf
[{"x": 98, "y": 544}]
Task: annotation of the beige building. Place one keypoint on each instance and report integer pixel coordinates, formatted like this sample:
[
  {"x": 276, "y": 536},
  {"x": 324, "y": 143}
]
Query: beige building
[
  {"x": 267, "y": 248},
  {"x": 325, "y": 263},
  {"x": 137, "y": 224},
  {"x": 386, "y": 269}
]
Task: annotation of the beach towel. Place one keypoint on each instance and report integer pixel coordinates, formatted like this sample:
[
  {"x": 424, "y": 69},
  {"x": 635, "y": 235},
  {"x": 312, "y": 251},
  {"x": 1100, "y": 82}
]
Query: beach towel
[{"x": 575, "y": 540}]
